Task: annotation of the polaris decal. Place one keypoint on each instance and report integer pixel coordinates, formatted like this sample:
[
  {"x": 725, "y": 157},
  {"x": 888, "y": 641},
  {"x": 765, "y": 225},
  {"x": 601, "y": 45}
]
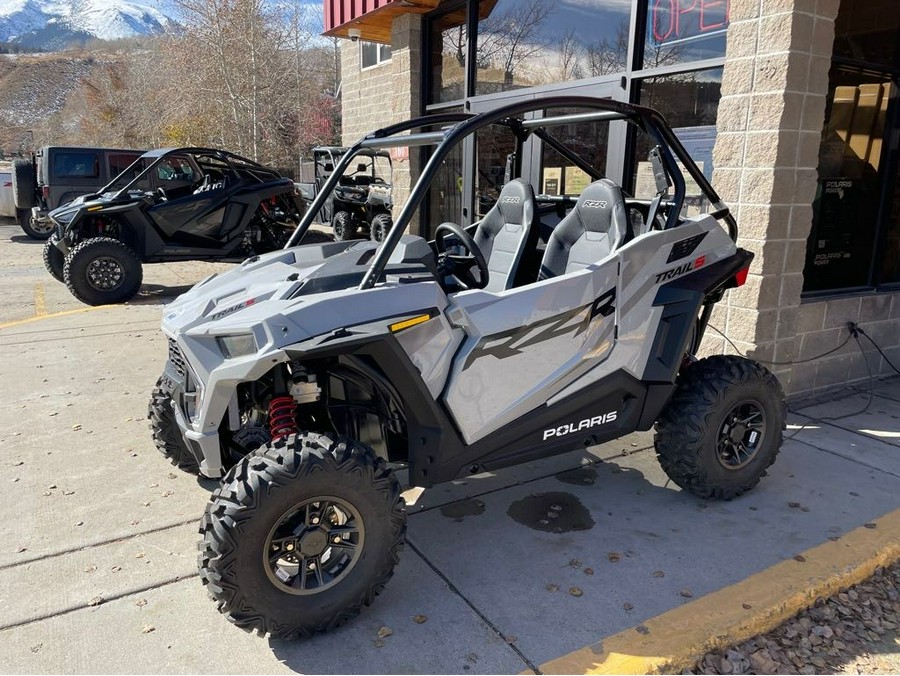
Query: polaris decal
[
  {"x": 681, "y": 269},
  {"x": 512, "y": 342},
  {"x": 586, "y": 424}
]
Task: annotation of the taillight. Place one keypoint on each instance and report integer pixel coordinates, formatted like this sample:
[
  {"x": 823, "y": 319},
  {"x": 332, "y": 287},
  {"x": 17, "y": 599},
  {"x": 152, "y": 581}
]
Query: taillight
[
  {"x": 740, "y": 277},
  {"x": 45, "y": 191}
]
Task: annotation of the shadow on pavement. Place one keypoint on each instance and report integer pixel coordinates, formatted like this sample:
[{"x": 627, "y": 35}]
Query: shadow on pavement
[
  {"x": 25, "y": 239},
  {"x": 151, "y": 294}
]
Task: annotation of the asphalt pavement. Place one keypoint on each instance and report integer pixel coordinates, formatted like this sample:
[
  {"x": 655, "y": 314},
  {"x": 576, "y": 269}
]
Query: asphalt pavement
[{"x": 98, "y": 540}]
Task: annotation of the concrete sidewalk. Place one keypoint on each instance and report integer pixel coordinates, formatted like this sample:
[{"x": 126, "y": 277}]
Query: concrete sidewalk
[{"x": 98, "y": 544}]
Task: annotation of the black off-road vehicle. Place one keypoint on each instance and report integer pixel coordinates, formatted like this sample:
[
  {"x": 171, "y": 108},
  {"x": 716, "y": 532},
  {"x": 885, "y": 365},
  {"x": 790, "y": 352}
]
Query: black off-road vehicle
[
  {"x": 211, "y": 205},
  {"x": 304, "y": 377},
  {"x": 362, "y": 200}
]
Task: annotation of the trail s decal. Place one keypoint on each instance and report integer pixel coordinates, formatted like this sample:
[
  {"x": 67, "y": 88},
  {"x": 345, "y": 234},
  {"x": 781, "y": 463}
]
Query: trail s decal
[
  {"x": 681, "y": 269},
  {"x": 587, "y": 423},
  {"x": 512, "y": 342}
]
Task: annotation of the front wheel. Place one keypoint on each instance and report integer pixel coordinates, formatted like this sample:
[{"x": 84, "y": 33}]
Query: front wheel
[
  {"x": 301, "y": 534},
  {"x": 343, "y": 225},
  {"x": 166, "y": 436},
  {"x": 102, "y": 271},
  {"x": 379, "y": 227},
  {"x": 54, "y": 260},
  {"x": 722, "y": 428}
]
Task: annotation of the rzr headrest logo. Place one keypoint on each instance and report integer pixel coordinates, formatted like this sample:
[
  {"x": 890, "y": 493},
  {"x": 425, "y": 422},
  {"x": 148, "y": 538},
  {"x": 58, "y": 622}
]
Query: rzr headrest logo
[
  {"x": 681, "y": 269},
  {"x": 595, "y": 204},
  {"x": 512, "y": 200}
]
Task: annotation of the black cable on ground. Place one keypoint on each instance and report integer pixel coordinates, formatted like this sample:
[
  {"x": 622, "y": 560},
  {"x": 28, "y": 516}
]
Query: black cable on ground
[
  {"x": 880, "y": 351},
  {"x": 855, "y": 332},
  {"x": 784, "y": 363}
]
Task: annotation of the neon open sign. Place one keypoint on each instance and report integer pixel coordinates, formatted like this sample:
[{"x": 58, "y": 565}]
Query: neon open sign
[{"x": 674, "y": 21}]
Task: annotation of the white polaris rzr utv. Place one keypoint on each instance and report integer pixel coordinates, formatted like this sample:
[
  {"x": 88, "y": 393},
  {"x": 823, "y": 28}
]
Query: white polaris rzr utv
[{"x": 305, "y": 376}]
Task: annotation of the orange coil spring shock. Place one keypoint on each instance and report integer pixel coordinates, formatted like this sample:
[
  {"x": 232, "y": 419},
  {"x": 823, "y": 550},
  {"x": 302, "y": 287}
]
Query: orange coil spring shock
[{"x": 282, "y": 421}]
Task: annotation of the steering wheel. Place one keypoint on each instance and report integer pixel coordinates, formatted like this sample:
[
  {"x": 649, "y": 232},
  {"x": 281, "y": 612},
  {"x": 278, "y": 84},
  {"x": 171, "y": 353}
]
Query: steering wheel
[{"x": 460, "y": 267}]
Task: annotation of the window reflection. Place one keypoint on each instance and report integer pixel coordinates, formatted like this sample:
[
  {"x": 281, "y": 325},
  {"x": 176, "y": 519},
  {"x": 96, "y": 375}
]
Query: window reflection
[
  {"x": 587, "y": 140},
  {"x": 449, "y": 41},
  {"x": 524, "y": 43},
  {"x": 690, "y": 102},
  {"x": 495, "y": 146}
]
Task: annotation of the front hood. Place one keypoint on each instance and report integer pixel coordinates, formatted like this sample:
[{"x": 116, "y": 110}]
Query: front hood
[
  {"x": 293, "y": 294},
  {"x": 231, "y": 300},
  {"x": 65, "y": 213}
]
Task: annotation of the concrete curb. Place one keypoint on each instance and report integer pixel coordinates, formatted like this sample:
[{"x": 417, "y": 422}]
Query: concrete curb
[{"x": 671, "y": 642}]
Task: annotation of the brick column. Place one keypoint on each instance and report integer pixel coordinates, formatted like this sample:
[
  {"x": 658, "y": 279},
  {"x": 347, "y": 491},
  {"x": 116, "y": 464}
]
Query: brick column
[
  {"x": 385, "y": 94},
  {"x": 769, "y": 127}
]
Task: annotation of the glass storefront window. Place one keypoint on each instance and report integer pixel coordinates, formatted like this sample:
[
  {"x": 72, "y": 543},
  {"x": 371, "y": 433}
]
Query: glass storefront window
[
  {"x": 679, "y": 31},
  {"x": 866, "y": 31},
  {"x": 525, "y": 43},
  {"x": 494, "y": 147},
  {"x": 690, "y": 102},
  {"x": 449, "y": 44},
  {"x": 588, "y": 140},
  {"x": 845, "y": 212},
  {"x": 890, "y": 257}
]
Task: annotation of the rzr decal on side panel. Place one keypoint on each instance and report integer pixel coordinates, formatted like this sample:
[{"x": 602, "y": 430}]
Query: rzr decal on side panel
[{"x": 512, "y": 342}]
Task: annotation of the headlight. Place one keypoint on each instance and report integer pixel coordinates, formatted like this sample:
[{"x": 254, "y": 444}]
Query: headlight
[{"x": 237, "y": 346}]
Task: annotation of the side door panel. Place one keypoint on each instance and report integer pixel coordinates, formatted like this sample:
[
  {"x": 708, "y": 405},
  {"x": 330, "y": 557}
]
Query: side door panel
[{"x": 525, "y": 345}]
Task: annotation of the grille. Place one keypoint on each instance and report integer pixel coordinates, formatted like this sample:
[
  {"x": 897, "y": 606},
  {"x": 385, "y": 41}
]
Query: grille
[
  {"x": 176, "y": 358},
  {"x": 685, "y": 247}
]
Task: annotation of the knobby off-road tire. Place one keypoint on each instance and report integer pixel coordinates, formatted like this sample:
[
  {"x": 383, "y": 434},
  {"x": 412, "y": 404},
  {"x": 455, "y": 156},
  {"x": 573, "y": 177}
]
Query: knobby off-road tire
[
  {"x": 166, "y": 435},
  {"x": 242, "y": 566},
  {"x": 379, "y": 227},
  {"x": 343, "y": 226},
  {"x": 705, "y": 437},
  {"x": 23, "y": 184},
  {"x": 102, "y": 271},
  {"x": 54, "y": 260}
]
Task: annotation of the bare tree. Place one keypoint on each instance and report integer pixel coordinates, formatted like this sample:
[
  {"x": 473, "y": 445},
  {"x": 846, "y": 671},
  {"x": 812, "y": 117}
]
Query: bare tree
[
  {"x": 513, "y": 37},
  {"x": 570, "y": 50}
]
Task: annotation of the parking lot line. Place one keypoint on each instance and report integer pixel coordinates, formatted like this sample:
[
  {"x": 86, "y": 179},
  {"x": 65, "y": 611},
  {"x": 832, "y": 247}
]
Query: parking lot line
[
  {"x": 40, "y": 302},
  {"x": 670, "y": 642},
  {"x": 40, "y": 317}
]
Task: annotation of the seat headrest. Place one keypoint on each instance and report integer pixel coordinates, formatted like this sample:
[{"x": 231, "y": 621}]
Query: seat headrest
[
  {"x": 598, "y": 203},
  {"x": 512, "y": 200}
]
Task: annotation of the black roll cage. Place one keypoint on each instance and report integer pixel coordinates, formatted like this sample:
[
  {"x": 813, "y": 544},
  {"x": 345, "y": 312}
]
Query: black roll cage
[
  {"x": 230, "y": 159},
  {"x": 461, "y": 125}
]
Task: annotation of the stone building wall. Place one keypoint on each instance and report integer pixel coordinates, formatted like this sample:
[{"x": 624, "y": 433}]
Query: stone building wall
[
  {"x": 384, "y": 94},
  {"x": 769, "y": 127}
]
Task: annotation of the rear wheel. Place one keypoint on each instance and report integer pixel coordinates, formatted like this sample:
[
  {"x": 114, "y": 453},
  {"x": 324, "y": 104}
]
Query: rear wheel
[
  {"x": 102, "y": 271},
  {"x": 722, "y": 428},
  {"x": 343, "y": 225},
  {"x": 380, "y": 225},
  {"x": 54, "y": 260},
  {"x": 166, "y": 435},
  {"x": 301, "y": 534}
]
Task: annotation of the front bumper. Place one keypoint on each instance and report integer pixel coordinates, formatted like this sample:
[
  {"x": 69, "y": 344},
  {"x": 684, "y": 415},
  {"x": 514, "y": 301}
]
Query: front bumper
[{"x": 204, "y": 446}]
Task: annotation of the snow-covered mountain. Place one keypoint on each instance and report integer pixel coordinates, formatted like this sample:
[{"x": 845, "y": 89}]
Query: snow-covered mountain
[{"x": 52, "y": 24}]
